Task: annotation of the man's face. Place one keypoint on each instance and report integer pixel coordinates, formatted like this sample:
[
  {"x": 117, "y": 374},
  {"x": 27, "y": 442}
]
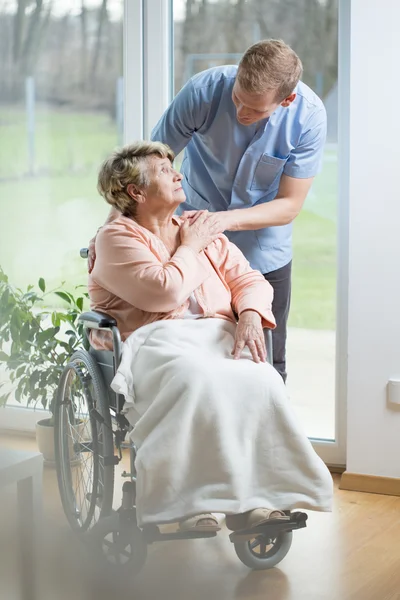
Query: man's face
[{"x": 251, "y": 108}]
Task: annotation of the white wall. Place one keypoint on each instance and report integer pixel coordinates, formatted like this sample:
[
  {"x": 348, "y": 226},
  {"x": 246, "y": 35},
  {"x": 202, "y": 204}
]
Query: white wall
[{"x": 373, "y": 434}]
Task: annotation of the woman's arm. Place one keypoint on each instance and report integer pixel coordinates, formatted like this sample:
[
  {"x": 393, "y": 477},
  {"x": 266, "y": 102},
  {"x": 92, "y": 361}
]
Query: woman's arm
[
  {"x": 250, "y": 291},
  {"x": 112, "y": 215},
  {"x": 126, "y": 267}
]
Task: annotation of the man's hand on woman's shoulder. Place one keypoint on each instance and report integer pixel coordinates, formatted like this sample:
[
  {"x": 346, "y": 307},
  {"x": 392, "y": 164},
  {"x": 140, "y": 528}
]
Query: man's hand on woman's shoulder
[
  {"x": 199, "y": 232},
  {"x": 221, "y": 221}
]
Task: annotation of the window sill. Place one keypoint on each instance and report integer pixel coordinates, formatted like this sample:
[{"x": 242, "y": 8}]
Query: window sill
[{"x": 21, "y": 419}]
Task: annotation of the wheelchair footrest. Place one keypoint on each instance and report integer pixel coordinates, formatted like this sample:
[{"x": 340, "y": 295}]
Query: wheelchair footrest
[
  {"x": 271, "y": 528},
  {"x": 153, "y": 534}
]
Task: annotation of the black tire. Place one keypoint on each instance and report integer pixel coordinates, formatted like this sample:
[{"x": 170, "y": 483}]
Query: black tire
[
  {"x": 83, "y": 439},
  {"x": 270, "y": 553},
  {"x": 118, "y": 544}
]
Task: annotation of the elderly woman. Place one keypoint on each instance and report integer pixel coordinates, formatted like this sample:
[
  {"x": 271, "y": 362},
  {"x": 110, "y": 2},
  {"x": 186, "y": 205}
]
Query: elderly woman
[{"x": 213, "y": 434}]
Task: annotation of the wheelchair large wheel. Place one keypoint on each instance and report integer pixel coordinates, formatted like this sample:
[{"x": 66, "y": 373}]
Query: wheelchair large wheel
[
  {"x": 84, "y": 446},
  {"x": 262, "y": 552}
]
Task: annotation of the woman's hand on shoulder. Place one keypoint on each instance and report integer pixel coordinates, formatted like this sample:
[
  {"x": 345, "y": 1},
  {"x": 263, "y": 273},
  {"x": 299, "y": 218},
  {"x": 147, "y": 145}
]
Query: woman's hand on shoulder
[
  {"x": 249, "y": 332},
  {"x": 223, "y": 220},
  {"x": 199, "y": 232}
]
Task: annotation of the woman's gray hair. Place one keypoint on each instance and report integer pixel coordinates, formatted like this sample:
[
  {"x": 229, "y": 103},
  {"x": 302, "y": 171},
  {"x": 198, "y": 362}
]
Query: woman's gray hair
[{"x": 128, "y": 165}]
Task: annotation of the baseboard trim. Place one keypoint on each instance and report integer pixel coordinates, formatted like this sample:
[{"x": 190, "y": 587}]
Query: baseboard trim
[
  {"x": 336, "y": 469},
  {"x": 354, "y": 482}
]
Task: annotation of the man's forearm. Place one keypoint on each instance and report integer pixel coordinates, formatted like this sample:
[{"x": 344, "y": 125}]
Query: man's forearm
[{"x": 280, "y": 211}]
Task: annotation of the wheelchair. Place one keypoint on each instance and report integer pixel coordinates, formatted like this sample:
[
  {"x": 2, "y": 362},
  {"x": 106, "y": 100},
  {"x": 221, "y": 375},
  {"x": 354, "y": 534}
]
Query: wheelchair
[{"x": 90, "y": 433}]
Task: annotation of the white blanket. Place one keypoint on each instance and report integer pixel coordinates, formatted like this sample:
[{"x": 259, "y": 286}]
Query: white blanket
[{"x": 213, "y": 434}]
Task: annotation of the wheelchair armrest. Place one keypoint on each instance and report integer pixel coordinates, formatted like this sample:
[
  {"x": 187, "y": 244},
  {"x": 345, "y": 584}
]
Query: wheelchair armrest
[
  {"x": 268, "y": 345},
  {"x": 97, "y": 320}
]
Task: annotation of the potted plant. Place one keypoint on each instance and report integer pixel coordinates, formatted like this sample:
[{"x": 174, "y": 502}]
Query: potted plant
[{"x": 36, "y": 341}]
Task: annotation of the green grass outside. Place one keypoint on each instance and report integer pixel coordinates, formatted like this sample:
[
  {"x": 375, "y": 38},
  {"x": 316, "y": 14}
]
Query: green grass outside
[
  {"x": 47, "y": 217},
  {"x": 64, "y": 141}
]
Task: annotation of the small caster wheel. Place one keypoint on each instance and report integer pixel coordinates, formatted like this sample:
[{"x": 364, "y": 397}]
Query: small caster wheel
[
  {"x": 119, "y": 543},
  {"x": 263, "y": 552}
]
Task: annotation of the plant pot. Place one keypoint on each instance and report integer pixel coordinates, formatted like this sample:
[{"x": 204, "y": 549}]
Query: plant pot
[{"x": 45, "y": 442}]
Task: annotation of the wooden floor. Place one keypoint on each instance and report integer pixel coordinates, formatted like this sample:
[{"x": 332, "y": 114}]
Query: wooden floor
[{"x": 351, "y": 554}]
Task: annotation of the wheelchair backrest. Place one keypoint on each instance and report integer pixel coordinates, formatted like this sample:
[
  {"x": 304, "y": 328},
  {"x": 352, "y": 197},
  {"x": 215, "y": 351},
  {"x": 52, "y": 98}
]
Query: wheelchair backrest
[{"x": 105, "y": 360}]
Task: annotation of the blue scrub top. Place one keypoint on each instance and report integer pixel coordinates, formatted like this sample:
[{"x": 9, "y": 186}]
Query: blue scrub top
[{"x": 228, "y": 166}]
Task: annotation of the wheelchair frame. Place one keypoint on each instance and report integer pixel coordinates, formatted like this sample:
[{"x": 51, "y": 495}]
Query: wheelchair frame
[
  {"x": 121, "y": 525},
  {"x": 127, "y": 515}
]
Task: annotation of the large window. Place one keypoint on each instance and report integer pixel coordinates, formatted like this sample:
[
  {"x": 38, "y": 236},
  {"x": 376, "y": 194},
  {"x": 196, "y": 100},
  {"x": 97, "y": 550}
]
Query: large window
[
  {"x": 211, "y": 33},
  {"x": 60, "y": 114}
]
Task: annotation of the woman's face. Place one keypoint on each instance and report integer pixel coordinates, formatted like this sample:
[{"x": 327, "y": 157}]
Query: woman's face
[{"x": 165, "y": 187}]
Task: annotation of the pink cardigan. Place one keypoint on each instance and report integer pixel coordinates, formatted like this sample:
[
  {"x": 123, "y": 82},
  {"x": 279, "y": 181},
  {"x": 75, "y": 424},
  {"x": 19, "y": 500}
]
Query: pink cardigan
[{"x": 136, "y": 281}]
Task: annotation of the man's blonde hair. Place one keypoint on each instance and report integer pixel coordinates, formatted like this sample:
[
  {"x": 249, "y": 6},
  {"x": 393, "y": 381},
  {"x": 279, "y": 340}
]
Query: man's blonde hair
[
  {"x": 270, "y": 65},
  {"x": 128, "y": 165}
]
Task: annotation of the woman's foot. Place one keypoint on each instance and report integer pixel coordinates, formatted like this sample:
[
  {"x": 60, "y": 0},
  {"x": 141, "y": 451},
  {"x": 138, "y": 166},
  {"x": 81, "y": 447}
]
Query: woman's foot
[
  {"x": 202, "y": 523},
  {"x": 255, "y": 517}
]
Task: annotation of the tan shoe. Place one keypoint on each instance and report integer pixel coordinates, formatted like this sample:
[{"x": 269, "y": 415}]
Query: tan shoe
[
  {"x": 253, "y": 518},
  {"x": 201, "y": 523}
]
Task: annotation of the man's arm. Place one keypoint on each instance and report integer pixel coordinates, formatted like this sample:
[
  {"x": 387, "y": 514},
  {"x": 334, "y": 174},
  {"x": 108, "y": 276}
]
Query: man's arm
[
  {"x": 280, "y": 211},
  {"x": 303, "y": 164},
  {"x": 183, "y": 117}
]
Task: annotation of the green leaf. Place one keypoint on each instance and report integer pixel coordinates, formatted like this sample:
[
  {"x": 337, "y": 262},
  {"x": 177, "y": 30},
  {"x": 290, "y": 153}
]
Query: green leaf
[
  {"x": 42, "y": 284},
  {"x": 18, "y": 394},
  {"x": 31, "y": 297},
  {"x": 64, "y": 345},
  {"x": 17, "y": 317},
  {"x": 55, "y": 319},
  {"x": 34, "y": 378},
  {"x": 64, "y": 296},
  {"x": 79, "y": 303},
  {"x": 43, "y": 336},
  {"x": 20, "y": 371},
  {"x": 35, "y": 393},
  {"x": 4, "y": 398},
  {"x": 25, "y": 333},
  {"x": 4, "y": 298},
  {"x": 3, "y": 356}
]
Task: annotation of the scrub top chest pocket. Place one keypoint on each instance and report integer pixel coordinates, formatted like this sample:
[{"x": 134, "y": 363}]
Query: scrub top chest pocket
[{"x": 267, "y": 173}]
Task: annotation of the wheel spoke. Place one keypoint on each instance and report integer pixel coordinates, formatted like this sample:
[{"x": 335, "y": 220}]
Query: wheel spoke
[
  {"x": 115, "y": 550},
  {"x": 263, "y": 548},
  {"x": 255, "y": 544},
  {"x": 85, "y": 483},
  {"x": 77, "y": 427}
]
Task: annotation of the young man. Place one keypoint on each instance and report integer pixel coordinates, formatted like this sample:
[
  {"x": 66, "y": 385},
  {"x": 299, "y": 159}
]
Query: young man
[{"x": 253, "y": 137}]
